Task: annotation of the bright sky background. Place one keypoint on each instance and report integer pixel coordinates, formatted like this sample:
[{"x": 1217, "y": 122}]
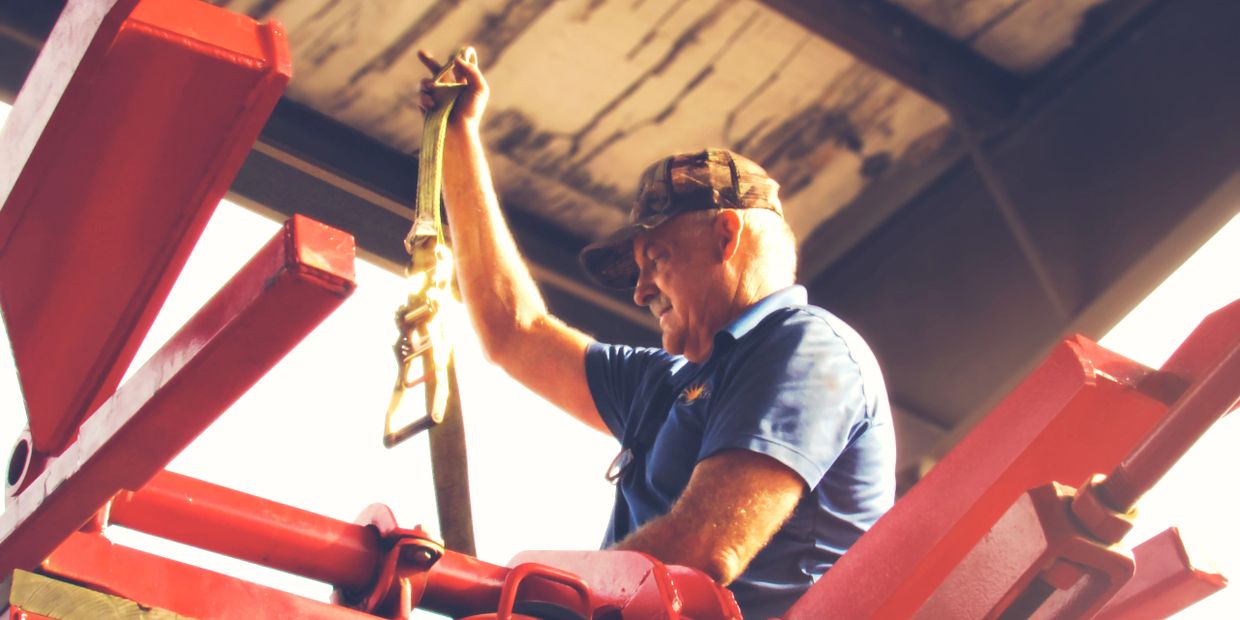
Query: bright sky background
[{"x": 309, "y": 432}]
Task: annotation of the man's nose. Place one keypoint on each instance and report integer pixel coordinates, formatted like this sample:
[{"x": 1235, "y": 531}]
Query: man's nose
[{"x": 644, "y": 291}]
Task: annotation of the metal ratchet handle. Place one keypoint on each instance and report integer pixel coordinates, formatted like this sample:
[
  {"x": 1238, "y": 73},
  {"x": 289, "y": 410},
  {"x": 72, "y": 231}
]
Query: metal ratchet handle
[
  {"x": 423, "y": 336},
  {"x": 434, "y": 377}
]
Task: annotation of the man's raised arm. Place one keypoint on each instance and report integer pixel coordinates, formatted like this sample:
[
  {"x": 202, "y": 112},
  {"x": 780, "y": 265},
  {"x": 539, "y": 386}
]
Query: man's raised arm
[{"x": 507, "y": 310}]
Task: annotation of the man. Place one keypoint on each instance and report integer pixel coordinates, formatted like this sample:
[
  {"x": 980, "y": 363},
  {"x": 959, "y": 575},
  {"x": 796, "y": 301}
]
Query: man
[{"x": 757, "y": 443}]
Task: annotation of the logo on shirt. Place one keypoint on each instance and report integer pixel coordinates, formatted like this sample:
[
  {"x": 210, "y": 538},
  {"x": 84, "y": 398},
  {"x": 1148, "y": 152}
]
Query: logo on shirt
[{"x": 693, "y": 393}]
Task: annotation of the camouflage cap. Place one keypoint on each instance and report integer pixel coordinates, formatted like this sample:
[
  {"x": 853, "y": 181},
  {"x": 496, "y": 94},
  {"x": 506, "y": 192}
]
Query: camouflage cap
[{"x": 699, "y": 181}]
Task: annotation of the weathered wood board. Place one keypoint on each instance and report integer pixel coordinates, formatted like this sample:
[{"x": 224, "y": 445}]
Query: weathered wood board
[{"x": 587, "y": 92}]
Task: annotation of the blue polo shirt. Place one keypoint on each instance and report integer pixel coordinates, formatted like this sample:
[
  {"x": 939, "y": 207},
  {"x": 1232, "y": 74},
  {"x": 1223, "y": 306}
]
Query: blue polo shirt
[{"x": 785, "y": 379}]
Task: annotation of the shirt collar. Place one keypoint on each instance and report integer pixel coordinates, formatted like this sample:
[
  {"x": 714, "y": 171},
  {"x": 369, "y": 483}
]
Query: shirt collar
[{"x": 794, "y": 295}]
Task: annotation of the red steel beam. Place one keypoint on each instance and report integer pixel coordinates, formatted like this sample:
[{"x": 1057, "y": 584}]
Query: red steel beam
[
  {"x": 129, "y": 130},
  {"x": 295, "y": 281}
]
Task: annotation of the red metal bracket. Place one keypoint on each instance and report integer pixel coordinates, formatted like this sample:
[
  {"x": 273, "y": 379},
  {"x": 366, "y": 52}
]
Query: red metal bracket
[
  {"x": 1166, "y": 582},
  {"x": 636, "y": 585},
  {"x": 294, "y": 282},
  {"x": 1035, "y": 562},
  {"x": 517, "y": 577}
]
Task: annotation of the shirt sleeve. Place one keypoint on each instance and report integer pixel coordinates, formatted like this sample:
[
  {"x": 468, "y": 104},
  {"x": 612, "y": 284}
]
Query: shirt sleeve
[
  {"x": 797, "y": 396},
  {"x": 619, "y": 376}
]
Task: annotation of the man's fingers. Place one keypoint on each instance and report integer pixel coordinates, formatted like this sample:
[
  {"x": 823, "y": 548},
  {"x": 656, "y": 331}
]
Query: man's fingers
[
  {"x": 429, "y": 61},
  {"x": 469, "y": 72},
  {"x": 474, "y": 97}
]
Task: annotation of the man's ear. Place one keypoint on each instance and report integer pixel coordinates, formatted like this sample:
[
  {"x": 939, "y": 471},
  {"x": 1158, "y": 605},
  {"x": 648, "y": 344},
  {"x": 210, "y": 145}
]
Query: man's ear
[{"x": 728, "y": 228}]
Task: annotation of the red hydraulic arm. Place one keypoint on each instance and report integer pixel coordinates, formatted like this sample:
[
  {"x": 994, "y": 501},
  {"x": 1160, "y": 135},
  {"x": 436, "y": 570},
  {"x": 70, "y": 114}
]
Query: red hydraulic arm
[
  {"x": 250, "y": 528},
  {"x": 1210, "y": 362},
  {"x": 375, "y": 564}
]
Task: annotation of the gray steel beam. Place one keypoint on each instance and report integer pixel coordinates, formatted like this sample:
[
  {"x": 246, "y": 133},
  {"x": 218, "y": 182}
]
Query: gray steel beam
[
  {"x": 892, "y": 40},
  {"x": 1108, "y": 27},
  {"x": 1117, "y": 177}
]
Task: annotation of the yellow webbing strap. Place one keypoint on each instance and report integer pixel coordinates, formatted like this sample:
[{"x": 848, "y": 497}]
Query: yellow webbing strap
[
  {"x": 423, "y": 331},
  {"x": 427, "y": 227}
]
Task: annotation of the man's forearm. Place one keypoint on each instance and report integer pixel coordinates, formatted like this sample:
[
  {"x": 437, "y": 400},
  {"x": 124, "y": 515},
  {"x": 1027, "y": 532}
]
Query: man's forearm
[
  {"x": 673, "y": 539},
  {"x": 734, "y": 503},
  {"x": 497, "y": 286}
]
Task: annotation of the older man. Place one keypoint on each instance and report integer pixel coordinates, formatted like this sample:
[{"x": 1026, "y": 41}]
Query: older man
[{"x": 757, "y": 443}]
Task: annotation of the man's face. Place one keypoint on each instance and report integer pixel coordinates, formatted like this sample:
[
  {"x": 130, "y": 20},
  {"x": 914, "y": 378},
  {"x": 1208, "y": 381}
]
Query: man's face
[{"x": 678, "y": 267}]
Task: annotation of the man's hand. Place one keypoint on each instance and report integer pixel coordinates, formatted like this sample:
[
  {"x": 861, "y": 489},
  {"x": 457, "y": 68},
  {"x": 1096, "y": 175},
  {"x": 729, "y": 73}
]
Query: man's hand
[
  {"x": 734, "y": 503},
  {"x": 472, "y": 101}
]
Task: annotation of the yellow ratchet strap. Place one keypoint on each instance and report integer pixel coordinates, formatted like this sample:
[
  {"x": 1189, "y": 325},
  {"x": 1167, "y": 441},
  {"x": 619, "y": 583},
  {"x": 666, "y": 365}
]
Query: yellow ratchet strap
[{"x": 423, "y": 333}]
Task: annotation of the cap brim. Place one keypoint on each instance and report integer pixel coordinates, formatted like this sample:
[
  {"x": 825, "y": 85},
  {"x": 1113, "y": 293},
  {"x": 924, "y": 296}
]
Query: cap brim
[{"x": 609, "y": 261}]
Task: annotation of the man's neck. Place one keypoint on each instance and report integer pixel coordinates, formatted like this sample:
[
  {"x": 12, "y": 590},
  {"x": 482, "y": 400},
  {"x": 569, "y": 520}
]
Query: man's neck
[{"x": 702, "y": 342}]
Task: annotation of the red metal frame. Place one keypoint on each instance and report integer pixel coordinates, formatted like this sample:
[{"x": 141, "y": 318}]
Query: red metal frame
[
  {"x": 1093, "y": 410},
  {"x": 1079, "y": 413},
  {"x": 117, "y": 150},
  {"x": 303, "y": 274}
]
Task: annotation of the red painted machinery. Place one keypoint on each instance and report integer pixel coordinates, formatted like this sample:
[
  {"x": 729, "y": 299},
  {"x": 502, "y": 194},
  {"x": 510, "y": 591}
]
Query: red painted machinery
[{"x": 990, "y": 533}]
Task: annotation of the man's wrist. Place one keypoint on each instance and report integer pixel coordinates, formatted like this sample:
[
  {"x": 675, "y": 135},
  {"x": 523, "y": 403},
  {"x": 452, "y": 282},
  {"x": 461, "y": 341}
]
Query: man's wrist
[{"x": 466, "y": 129}]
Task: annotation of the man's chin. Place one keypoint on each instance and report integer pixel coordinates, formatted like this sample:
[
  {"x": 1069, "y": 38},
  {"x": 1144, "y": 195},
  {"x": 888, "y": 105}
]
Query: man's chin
[{"x": 673, "y": 345}]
